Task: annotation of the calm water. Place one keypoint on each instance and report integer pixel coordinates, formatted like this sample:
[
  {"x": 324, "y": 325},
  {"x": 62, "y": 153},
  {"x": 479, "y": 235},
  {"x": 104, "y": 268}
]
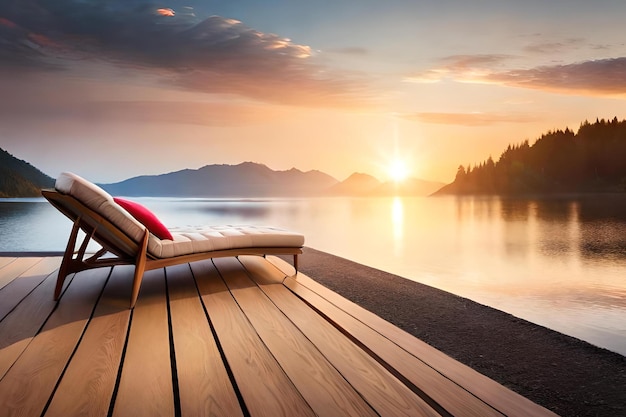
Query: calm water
[{"x": 560, "y": 263}]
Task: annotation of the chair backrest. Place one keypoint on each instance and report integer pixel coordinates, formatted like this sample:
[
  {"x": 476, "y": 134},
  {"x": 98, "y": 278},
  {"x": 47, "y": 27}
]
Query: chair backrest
[
  {"x": 100, "y": 229},
  {"x": 78, "y": 198}
]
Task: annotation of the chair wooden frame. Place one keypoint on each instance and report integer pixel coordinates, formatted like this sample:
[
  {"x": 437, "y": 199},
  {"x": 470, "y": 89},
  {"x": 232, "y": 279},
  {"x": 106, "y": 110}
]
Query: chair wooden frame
[{"x": 124, "y": 250}]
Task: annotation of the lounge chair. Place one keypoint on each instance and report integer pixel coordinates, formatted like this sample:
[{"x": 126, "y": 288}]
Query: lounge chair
[{"x": 125, "y": 240}]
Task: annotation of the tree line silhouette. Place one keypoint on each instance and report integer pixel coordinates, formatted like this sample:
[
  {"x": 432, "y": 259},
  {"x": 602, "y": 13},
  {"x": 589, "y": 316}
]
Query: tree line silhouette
[
  {"x": 19, "y": 178},
  {"x": 561, "y": 161}
]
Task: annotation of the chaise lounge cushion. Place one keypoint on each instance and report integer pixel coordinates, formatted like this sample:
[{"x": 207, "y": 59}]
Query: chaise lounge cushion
[
  {"x": 184, "y": 241},
  {"x": 212, "y": 238}
]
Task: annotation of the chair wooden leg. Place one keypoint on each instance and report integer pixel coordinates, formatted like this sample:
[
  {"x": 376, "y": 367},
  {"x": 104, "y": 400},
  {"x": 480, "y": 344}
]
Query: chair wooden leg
[
  {"x": 65, "y": 268},
  {"x": 295, "y": 262},
  {"x": 140, "y": 266}
]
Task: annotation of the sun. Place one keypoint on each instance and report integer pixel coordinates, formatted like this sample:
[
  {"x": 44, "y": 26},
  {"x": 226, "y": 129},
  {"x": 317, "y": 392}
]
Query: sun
[{"x": 398, "y": 170}]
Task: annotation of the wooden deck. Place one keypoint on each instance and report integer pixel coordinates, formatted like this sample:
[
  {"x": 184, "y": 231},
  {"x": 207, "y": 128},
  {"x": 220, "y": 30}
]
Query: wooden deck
[{"x": 228, "y": 337}]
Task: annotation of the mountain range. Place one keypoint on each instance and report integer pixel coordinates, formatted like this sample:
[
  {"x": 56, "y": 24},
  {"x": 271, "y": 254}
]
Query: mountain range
[{"x": 248, "y": 179}]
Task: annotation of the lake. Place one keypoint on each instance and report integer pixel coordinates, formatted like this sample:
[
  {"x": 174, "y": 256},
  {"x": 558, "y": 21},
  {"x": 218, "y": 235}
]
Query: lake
[{"x": 557, "y": 262}]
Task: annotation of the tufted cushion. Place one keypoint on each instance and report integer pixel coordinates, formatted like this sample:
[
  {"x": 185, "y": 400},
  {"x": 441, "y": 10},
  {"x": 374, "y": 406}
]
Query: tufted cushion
[
  {"x": 210, "y": 238},
  {"x": 184, "y": 242}
]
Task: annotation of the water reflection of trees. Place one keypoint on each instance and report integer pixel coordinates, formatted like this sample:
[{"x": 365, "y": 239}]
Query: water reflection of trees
[
  {"x": 594, "y": 226},
  {"x": 603, "y": 227},
  {"x": 477, "y": 207},
  {"x": 515, "y": 209},
  {"x": 559, "y": 231}
]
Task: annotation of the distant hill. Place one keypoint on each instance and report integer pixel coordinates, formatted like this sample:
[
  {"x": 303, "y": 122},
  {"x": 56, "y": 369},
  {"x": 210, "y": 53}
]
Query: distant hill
[
  {"x": 247, "y": 179},
  {"x": 20, "y": 179},
  {"x": 365, "y": 185},
  {"x": 591, "y": 160},
  {"x": 356, "y": 184}
]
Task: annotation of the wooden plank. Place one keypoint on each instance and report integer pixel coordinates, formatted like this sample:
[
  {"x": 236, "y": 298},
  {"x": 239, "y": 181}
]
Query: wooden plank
[
  {"x": 22, "y": 324},
  {"x": 264, "y": 387},
  {"x": 16, "y": 268},
  {"x": 321, "y": 385},
  {"x": 498, "y": 396},
  {"x": 5, "y": 260},
  {"x": 204, "y": 386},
  {"x": 89, "y": 380},
  {"x": 145, "y": 388},
  {"x": 425, "y": 379},
  {"x": 282, "y": 265},
  {"x": 13, "y": 293},
  {"x": 383, "y": 391},
  {"x": 28, "y": 385}
]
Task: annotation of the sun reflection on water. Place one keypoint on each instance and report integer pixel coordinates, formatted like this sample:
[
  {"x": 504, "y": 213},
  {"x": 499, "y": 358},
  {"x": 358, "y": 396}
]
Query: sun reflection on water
[{"x": 397, "y": 221}]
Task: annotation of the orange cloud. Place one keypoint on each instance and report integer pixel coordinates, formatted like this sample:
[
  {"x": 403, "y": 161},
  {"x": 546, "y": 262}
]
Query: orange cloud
[{"x": 166, "y": 12}]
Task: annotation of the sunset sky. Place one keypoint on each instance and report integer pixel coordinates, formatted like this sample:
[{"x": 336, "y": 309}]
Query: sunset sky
[{"x": 119, "y": 88}]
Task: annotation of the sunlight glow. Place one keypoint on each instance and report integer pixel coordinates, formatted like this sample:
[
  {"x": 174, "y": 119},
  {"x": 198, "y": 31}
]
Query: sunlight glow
[
  {"x": 397, "y": 163},
  {"x": 397, "y": 221},
  {"x": 398, "y": 170}
]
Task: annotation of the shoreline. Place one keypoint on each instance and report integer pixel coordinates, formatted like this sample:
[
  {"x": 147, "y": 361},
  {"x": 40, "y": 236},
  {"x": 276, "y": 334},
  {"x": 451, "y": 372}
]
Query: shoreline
[{"x": 566, "y": 375}]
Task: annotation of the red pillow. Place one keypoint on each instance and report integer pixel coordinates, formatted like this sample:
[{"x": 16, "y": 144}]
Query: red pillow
[{"x": 145, "y": 217}]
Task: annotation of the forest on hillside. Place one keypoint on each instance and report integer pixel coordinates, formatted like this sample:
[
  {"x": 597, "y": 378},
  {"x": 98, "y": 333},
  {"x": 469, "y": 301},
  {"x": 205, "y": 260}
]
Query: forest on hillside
[
  {"x": 18, "y": 178},
  {"x": 561, "y": 161}
]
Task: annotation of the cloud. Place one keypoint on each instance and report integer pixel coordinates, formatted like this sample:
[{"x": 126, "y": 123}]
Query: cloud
[
  {"x": 166, "y": 12},
  {"x": 215, "y": 54},
  {"x": 96, "y": 113},
  {"x": 351, "y": 50},
  {"x": 554, "y": 47},
  {"x": 35, "y": 100},
  {"x": 460, "y": 68},
  {"x": 597, "y": 77},
  {"x": 465, "y": 62},
  {"x": 20, "y": 48},
  {"x": 594, "y": 77},
  {"x": 468, "y": 119},
  {"x": 7, "y": 23}
]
